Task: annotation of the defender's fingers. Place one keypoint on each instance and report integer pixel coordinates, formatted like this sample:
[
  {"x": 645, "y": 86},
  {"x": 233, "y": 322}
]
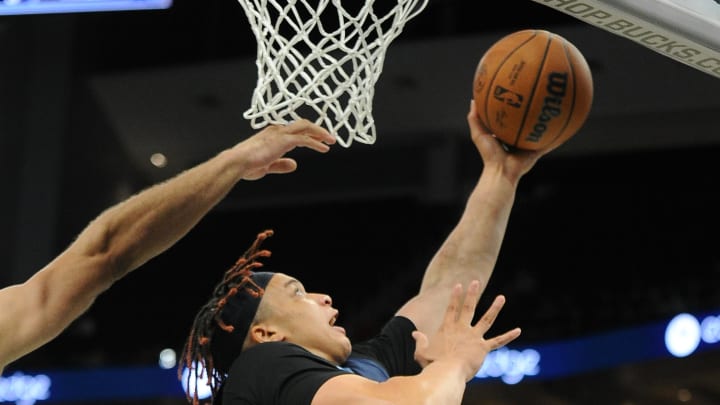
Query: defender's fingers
[
  {"x": 502, "y": 340},
  {"x": 306, "y": 140},
  {"x": 451, "y": 313},
  {"x": 491, "y": 314},
  {"x": 311, "y": 130},
  {"x": 470, "y": 303},
  {"x": 282, "y": 166}
]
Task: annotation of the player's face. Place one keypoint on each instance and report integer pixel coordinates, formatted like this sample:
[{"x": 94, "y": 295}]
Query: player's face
[{"x": 306, "y": 319}]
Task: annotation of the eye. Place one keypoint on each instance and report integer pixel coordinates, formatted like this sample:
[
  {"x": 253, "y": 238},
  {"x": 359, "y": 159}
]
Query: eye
[{"x": 299, "y": 291}]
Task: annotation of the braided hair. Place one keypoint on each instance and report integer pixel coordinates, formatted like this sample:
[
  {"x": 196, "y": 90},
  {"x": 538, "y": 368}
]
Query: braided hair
[{"x": 199, "y": 353}]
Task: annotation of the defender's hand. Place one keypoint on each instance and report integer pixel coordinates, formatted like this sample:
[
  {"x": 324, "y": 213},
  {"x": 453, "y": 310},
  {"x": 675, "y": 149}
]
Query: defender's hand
[
  {"x": 458, "y": 339},
  {"x": 264, "y": 152}
]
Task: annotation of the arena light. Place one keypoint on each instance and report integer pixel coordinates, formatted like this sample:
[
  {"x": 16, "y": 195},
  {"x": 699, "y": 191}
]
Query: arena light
[
  {"x": 203, "y": 388},
  {"x": 24, "y": 389},
  {"x": 685, "y": 332},
  {"x": 167, "y": 359},
  {"x": 683, "y": 335},
  {"x": 19, "y": 7}
]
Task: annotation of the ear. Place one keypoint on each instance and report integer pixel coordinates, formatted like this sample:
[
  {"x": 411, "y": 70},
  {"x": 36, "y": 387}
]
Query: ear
[{"x": 263, "y": 332}]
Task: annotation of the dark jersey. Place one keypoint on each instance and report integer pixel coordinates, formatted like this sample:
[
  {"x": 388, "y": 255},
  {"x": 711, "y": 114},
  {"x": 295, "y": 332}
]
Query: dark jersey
[{"x": 281, "y": 373}]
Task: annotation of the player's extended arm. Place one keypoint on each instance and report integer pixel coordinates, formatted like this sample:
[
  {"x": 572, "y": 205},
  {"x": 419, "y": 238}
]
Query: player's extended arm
[
  {"x": 451, "y": 358},
  {"x": 132, "y": 232},
  {"x": 472, "y": 247}
]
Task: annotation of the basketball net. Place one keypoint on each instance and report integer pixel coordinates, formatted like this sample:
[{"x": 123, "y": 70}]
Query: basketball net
[{"x": 319, "y": 60}]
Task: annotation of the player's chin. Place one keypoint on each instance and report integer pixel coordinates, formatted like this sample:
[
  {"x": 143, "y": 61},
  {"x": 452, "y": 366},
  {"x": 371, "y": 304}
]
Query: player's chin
[
  {"x": 347, "y": 349},
  {"x": 338, "y": 348},
  {"x": 344, "y": 342}
]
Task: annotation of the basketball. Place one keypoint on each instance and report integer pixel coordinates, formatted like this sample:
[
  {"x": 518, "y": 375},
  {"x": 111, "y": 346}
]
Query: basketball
[{"x": 533, "y": 89}]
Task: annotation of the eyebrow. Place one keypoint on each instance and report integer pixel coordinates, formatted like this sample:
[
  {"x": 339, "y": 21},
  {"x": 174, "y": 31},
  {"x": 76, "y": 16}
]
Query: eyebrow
[{"x": 290, "y": 282}]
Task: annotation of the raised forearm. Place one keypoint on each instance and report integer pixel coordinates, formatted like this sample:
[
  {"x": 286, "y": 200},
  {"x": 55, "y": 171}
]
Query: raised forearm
[
  {"x": 439, "y": 383},
  {"x": 134, "y": 231},
  {"x": 116, "y": 242},
  {"x": 471, "y": 249},
  {"x": 143, "y": 226}
]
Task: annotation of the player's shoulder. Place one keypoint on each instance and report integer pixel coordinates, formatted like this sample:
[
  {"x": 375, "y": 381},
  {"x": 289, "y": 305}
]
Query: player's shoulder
[
  {"x": 270, "y": 348},
  {"x": 272, "y": 354}
]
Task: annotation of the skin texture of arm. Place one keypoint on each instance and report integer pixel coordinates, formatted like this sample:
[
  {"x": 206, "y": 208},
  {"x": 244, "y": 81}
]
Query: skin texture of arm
[
  {"x": 125, "y": 236},
  {"x": 472, "y": 247},
  {"x": 456, "y": 354}
]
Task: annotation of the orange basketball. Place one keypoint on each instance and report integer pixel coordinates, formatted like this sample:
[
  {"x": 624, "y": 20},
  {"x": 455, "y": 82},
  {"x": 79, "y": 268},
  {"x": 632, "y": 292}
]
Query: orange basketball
[{"x": 533, "y": 89}]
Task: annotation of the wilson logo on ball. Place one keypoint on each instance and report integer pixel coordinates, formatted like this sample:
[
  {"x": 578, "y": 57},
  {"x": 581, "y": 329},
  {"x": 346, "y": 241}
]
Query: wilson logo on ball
[{"x": 552, "y": 105}]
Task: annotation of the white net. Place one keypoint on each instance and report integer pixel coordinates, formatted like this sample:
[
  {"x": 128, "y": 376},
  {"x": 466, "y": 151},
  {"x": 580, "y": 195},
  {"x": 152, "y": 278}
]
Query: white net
[{"x": 320, "y": 60}]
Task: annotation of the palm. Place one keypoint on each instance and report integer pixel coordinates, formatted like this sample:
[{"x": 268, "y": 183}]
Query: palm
[{"x": 457, "y": 339}]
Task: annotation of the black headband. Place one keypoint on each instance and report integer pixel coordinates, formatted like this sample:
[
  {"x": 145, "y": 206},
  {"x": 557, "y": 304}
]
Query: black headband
[{"x": 238, "y": 312}]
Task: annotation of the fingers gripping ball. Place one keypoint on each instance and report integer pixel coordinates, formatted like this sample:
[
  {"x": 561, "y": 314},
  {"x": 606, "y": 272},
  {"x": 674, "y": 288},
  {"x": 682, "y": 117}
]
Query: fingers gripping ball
[{"x": 533, "y": 89}]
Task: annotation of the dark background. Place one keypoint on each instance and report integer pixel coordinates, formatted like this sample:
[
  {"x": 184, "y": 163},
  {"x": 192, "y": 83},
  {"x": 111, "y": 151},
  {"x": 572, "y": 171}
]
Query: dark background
[{"x": 599, "y": 239}]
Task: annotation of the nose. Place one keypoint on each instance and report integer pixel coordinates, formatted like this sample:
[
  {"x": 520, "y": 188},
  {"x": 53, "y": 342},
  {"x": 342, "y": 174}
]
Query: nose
[{"x": 324, "y": 299}]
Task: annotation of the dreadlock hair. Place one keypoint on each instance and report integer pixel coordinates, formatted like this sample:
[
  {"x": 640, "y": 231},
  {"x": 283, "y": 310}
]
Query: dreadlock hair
[{"x": 198, "y": 353}]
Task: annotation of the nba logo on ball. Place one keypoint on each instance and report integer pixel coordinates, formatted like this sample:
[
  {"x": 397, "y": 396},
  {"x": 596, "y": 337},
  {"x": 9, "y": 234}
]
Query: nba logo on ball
[
  {"x": 509, "y": 97},
  {"x": 533, "y": 89}
]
